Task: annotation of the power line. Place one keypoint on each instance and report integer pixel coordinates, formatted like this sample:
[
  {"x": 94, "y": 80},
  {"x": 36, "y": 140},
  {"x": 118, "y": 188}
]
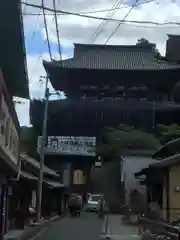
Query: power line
[
  {"x": 34, "y": 32},
  {"x": 46, "y": 29},
  {"x": 151, "y": 27},
  {"x": 57, "y": 29},
  {"x": 109, "y": 15},
  {"x": 104, "y": 23},
  {"x": 101, "y": 18},
  {"x": 133, "y": 6},
  {"x": 87, "y": 12}
]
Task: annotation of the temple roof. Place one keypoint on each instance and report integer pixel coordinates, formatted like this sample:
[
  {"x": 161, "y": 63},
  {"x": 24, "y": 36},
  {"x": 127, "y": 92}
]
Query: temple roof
[
  {"x": 112, "y": 57},
  {"x": 12, "y": 49}
]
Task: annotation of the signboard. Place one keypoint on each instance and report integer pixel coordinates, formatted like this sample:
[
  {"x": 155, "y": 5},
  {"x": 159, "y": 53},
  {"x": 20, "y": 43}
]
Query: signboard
[{"x": 69, "y": 145}]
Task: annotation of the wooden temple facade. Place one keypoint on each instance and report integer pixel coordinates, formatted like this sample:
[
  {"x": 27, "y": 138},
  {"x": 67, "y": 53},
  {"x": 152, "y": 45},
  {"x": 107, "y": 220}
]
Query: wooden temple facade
[{"x": 108, "y": 85}]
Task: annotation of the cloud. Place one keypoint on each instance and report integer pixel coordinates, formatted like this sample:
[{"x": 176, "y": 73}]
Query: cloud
[
  {"x": 37, "y": 88},
  {"x": 77, "y": 29},
  {"x": 22, "y": 109},
  {"x": 36, "y": 71}
]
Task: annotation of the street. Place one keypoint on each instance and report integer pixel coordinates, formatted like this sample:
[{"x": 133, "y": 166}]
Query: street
[{"x": 86, "y": 227}]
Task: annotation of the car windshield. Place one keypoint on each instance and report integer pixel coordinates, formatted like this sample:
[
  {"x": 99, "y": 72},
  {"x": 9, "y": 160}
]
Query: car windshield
[{"x": 94, "y": 198}]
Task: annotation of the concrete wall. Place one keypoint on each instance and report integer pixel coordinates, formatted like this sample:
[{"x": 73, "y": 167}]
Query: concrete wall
[{"x": 132, "y": 164}]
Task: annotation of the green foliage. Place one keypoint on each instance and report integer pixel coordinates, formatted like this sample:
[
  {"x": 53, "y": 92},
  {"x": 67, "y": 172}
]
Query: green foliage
[
  {"x": 28, "y": 141},
  {"x": 144, "y": 41},
  {"x": 124, "y": 137},
  {"x": 168, "y": 132}
]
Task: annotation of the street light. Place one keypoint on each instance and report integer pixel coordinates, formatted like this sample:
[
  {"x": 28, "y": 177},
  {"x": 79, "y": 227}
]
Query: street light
[{"x": 42, "y": 148}]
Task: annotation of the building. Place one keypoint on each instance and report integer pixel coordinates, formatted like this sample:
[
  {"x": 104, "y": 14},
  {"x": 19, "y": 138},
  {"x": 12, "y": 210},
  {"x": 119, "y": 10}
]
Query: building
[
  {"x": 162, "y": 180},
  {"x": 133, "y": 162},
  {"x": 24, "y": 193},
  {"x": 13, "y": 56},
  {"x": 105, "y": 86},
  {"x": 13, "y": 82}
]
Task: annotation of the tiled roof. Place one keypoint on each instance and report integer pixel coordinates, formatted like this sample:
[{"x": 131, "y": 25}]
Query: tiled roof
[
  {"x": 113, "y": 57},
  {"x": 36, "y": 164}
]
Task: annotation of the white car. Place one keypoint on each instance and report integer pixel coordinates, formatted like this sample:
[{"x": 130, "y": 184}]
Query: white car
[{"x": 93, "y": 203}]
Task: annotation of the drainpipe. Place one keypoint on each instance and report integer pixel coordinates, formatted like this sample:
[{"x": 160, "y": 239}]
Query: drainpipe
[{"x": 167, "y": 195}]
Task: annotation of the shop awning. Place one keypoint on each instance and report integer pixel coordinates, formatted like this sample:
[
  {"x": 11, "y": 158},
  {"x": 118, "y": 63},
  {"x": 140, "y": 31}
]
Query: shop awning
[
  {"x": 167, "y": 162},
  {"x": 54, "y": 184},
  {"x": 28, "y": 176},
  {"x": 36, "y": 164}
]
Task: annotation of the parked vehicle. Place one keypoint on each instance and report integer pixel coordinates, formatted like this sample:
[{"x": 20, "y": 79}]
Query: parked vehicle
[{"x": 94, "y": 202}]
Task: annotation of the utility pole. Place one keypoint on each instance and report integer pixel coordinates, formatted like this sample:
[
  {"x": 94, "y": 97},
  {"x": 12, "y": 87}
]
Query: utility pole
[
  {"x": 153, "y": 115},
  {"x": 43, "y": 144}
]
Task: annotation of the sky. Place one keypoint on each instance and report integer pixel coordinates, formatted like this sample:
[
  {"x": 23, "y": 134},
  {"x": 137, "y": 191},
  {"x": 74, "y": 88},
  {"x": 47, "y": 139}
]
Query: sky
[{"x": 74, "y": 29}]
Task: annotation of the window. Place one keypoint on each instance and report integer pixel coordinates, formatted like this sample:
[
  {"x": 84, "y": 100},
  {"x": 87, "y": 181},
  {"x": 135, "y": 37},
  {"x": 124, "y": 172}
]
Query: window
[
  {"x": 92, "y": 98},
  {"x": 93, "y": 87},
  {"x": 143, "y": 87},
  {"x": 108, "y": 98},
  {"x": 119, "y": 99},
  {"x": 134, "y": 88}
]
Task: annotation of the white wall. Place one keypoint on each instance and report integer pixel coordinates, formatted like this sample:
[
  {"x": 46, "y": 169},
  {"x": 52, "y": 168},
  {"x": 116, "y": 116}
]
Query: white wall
[{"x": 131, "y": 165}]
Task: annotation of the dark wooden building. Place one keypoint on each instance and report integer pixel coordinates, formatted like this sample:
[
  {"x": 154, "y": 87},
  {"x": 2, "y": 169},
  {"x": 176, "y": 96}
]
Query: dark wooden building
[
  {"x": 108, "y": 85},
  {"x": 13, "y": 82}
]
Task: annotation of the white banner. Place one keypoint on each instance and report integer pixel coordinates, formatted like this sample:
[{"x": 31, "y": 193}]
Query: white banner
[{"x": 62, "y": 145}]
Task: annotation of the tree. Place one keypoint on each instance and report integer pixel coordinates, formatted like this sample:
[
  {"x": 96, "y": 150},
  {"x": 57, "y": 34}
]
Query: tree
[
  {"x": 144, "y": 42},
  {"x": 168, "y": 132},
  {"x": 115, "y": 140},
  {"x": 28, "y": 141}
]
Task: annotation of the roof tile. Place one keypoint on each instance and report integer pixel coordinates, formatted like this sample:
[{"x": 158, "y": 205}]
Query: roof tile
[{"x": 113, "y": 57}]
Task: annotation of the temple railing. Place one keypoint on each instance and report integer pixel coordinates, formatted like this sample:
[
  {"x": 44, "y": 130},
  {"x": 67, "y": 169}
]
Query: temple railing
[
  {"x": 9, "y": 126},
  {"x": 112, "y": 104}
]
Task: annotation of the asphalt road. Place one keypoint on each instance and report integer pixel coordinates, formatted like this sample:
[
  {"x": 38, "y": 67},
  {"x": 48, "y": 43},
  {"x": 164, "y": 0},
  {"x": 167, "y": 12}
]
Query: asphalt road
[{"x": 85, "y": 227}]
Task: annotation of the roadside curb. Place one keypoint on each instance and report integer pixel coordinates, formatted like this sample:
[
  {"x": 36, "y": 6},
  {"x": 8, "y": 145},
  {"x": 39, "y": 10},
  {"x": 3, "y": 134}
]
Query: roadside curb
[{"x": 32, "y": 231}]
